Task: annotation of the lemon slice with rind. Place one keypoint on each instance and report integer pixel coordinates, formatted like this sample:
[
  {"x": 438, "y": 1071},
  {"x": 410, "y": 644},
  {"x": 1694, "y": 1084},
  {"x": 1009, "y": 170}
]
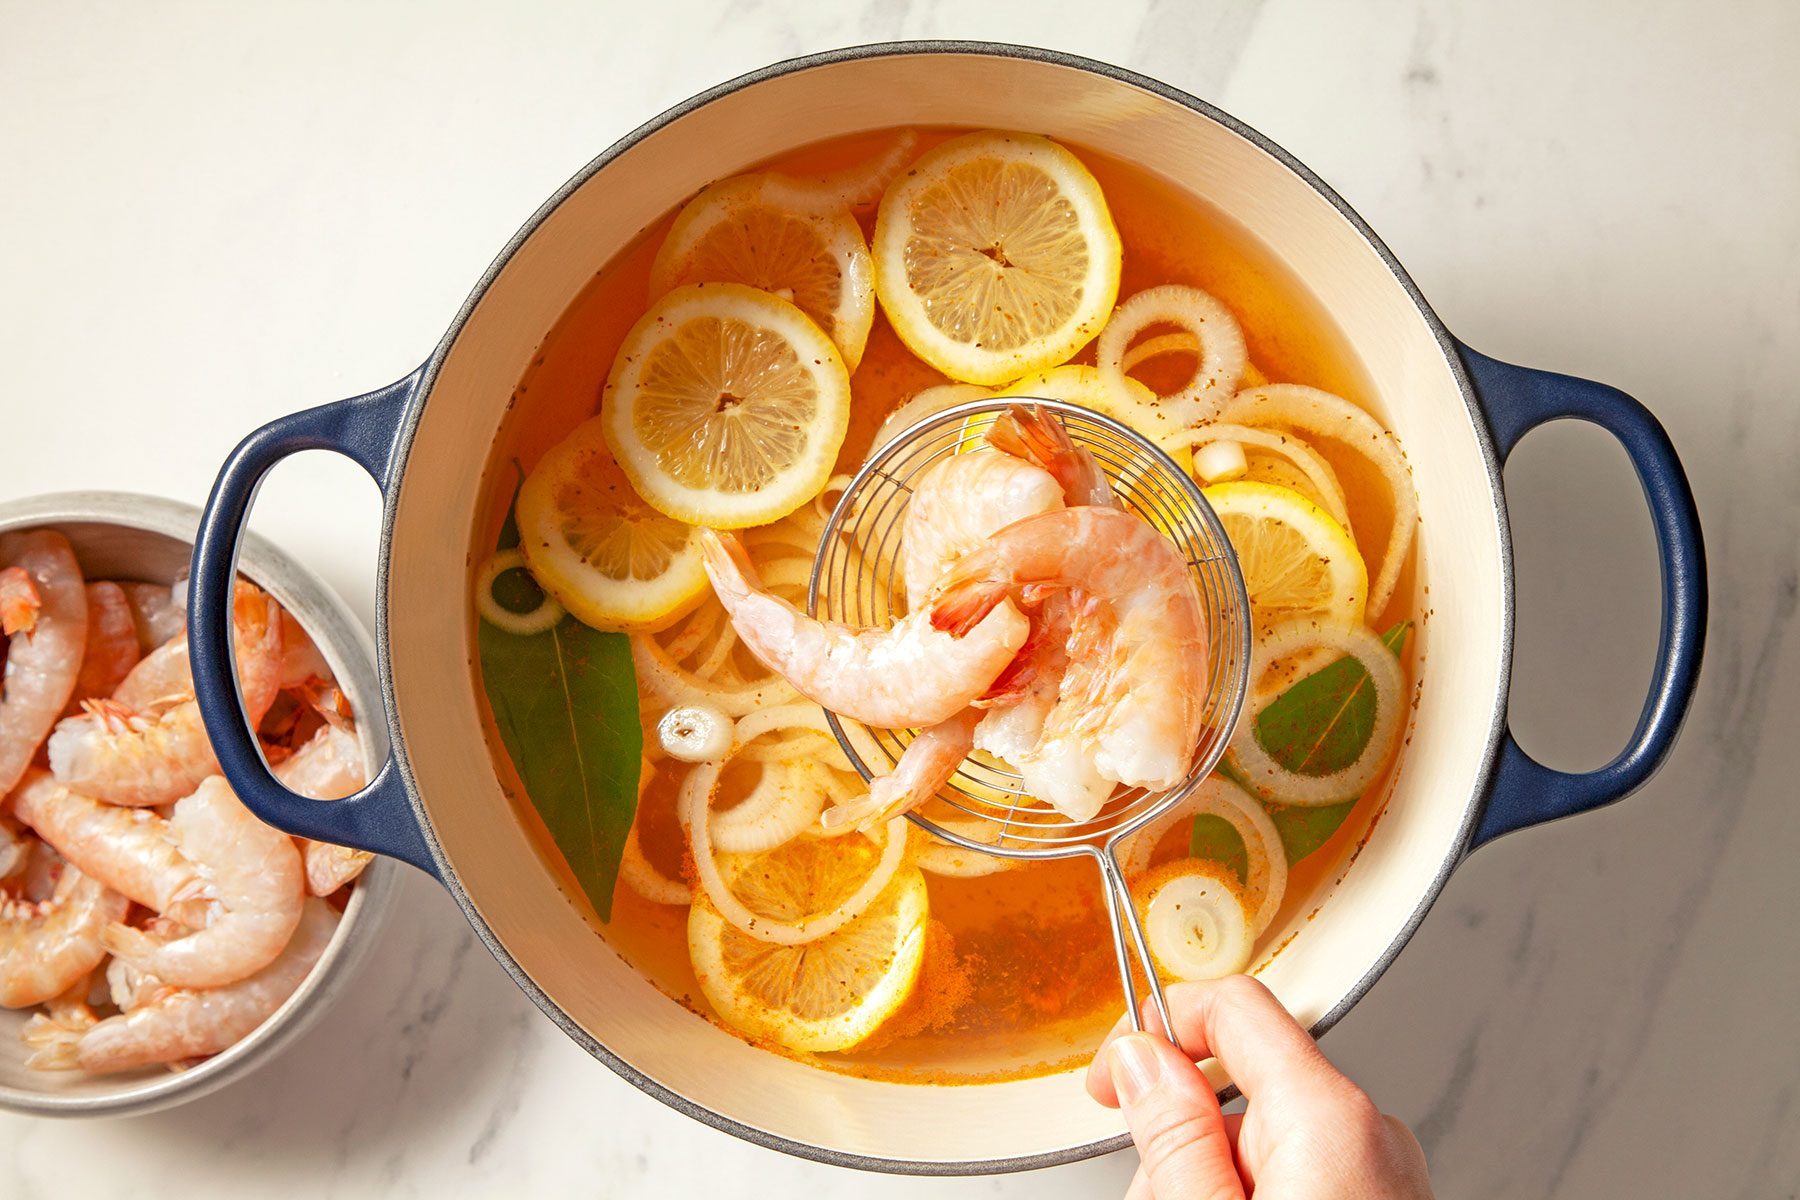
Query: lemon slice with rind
[
  {"x": 995, "y": 256},
  {"x": 600, "y": 551},
  {"x": 824, "y": 995},
  {"x": 726, "y": 406},
  {"x": 1296, "y": 560},
  {"x": 741, "y": 231}
]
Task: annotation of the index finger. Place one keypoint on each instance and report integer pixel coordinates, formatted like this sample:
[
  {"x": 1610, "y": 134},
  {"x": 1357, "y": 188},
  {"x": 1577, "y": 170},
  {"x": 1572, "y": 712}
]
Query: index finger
[{"x": 1240, "y": 1022}]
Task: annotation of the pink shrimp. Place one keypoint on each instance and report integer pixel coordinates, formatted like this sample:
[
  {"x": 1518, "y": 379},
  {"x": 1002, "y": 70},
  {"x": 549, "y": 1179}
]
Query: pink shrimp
[
  {"x": 958, "y": 502},
  {"x": 159, "y": 752},
  {"x": 912, "y": 674},
  {"x": 155, "y": 612},
  {"x": 327, "y": 767},
  {"x": 169, "y": 1024},
  {"x": 46, "y": 945},
  {"x": 925, "y": 766},
  {"x": 43, "y": 660},
  {"x": 134, "y": 851},
  {"x": 1135, "y": 702},
  {"x": 254, "y": 886},
  {"x": 1032, "y": 435},
  {"x": 112, "y": 645}
]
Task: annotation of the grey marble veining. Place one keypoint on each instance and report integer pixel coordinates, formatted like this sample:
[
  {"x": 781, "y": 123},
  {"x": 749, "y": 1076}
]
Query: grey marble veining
[{"x": 213, "y": 216}]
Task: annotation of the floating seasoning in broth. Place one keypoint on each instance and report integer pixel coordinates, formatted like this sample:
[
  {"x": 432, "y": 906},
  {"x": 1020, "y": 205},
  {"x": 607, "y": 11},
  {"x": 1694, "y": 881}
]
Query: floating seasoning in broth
[{"x": 746, "y": 352}]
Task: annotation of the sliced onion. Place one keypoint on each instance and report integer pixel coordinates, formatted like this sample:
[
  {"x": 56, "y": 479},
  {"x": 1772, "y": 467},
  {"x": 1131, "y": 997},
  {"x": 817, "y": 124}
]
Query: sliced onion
[
  {"x": 930, "y": 402},
  {"x": 1196, "y": 923},
  {"x": 673, "y": 685},
  {"x": 1318, "y": 472},
  {"x": 694, "y": 631},
  {"x": 1270, "y": 779},
  {"x": 1328, "y": 416},
  {"x": 646, "y": 880},
  {"x": 1266, "y": 873},
  {"x": 852, "y": 187},
  {"x": 1221, "y": 349},
  {"x": 1221, "y": 461},
  {"x": 695, "y": 733},
  {"x": 1179, "y": 342},
  {"x": 785, "y": 803},
  {"x": 695, "y": 809},
  {"x": 523, "y": 624},
  {"x": 939, "y": 857}
]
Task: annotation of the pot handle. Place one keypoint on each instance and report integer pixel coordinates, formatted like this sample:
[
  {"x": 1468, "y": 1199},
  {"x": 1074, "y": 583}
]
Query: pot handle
[
  {"x": 1516, "y": 400},
  {"x": 364, "y": 429}
]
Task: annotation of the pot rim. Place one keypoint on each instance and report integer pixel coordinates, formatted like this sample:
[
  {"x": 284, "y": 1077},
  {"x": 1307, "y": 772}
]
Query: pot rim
[{"x": 426, "y": 378}]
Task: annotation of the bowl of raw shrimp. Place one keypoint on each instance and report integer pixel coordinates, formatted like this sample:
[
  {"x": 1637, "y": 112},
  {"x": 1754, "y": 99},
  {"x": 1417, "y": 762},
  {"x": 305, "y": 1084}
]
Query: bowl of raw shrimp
[{"x": 156, "y": 940}]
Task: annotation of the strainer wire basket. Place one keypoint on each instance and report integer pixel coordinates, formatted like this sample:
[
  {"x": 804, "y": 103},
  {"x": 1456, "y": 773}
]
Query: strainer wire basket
[{"x": 856, "y": 580}]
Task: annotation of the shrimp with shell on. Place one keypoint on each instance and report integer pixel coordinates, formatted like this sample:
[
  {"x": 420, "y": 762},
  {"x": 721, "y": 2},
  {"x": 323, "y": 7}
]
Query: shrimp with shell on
[{"x": 46, "y": 612}]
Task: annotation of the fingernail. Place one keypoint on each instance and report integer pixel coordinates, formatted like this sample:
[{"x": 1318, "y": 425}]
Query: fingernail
[{"x": 1136, "y": 1067}]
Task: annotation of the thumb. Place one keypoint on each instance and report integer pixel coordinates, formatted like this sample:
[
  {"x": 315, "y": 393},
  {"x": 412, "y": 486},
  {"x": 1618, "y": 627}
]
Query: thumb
[{"x": 1175, "y": 1120}]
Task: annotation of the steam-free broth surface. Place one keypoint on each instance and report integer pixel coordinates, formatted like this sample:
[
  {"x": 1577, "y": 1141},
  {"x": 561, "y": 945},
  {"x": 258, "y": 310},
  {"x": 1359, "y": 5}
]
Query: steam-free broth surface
[{"x": 1019, "y": 975}]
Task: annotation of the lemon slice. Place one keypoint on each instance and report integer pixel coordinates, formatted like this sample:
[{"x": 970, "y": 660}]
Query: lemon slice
[
  {"x": 1296, "y": 560},
  {"x": 595, "y": 547},
  {"x": 827, "y": 994},
  {"x": 726, "y": 406},
  {"x": 740, "y": 231},
  {"x": 995, "y": 256}
]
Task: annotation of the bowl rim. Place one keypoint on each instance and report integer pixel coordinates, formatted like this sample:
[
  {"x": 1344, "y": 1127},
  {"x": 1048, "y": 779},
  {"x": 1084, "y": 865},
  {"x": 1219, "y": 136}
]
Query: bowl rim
[
  {"x": 424, "y": 380},
  {"x": 346, "y": 644}
]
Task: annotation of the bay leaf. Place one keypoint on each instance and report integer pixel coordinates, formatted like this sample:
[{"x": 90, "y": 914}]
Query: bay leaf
[
  {"x": 1319, "y": 725},
  {"x": 566, "y": 704}
]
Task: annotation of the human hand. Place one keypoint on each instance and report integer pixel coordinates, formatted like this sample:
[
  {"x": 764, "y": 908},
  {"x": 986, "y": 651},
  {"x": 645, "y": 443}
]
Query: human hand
[{"x": 1308, "y": 1133}]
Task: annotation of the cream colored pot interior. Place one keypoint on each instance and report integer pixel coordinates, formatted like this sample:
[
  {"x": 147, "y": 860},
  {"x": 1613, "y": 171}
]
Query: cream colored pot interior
[{"x": 430, "y": 630}]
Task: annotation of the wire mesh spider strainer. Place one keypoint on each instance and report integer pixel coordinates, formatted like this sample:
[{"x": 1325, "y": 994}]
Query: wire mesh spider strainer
[{"x": 856, "y": 580}]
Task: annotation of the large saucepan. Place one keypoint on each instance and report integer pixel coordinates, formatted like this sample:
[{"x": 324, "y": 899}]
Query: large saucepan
[{"x": 425, "y": 441}]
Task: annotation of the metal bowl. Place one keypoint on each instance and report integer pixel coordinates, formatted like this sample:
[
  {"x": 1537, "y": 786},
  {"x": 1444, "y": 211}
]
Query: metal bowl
[{"x": 119, "y": 535}]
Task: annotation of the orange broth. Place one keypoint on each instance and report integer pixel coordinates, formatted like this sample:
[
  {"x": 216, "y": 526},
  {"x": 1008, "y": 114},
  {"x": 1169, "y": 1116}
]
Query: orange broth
[{"x": 1020, "y": 978}]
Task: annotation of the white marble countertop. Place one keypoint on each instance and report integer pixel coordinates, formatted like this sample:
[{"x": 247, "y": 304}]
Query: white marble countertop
[{"x": 210, "y": 215}]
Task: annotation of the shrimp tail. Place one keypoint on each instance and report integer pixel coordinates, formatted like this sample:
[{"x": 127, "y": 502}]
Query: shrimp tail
[
  {"x": 20, "y": 601},
  {"x": 1010, "y": 686},
  {"x": 127, "y": 943},
  {"x": 54, "y": 1046},
  {"x": 728, "y": 563},
  {"x": 1030, "y": 433}
]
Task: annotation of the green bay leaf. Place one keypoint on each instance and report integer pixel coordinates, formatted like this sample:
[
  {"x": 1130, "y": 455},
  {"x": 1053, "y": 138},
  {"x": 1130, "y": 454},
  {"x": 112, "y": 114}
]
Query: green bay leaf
[
  {"x": 566, "y": 704},
  {"x": 1319, "y": 725}
]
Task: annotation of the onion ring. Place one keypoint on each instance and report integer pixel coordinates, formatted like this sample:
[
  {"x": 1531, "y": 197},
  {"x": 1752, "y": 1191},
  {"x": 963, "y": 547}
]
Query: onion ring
[
  {"x": 523, "y": 624},
  {"x": 852, "y": 187},
  {"x": 694, "y": 807},
  {"x": 1268, "y": 778},
  {"x": 1195, "y": 921},
  {"x": 785, "y": 802},
  {"x": 1266, "y": 876},
  {"x": 1318, "y": 472},
  {"x": 1329, "y": 416},
  {"x": 1220, "y": 346},
  {"x": 674, "y": 685}
]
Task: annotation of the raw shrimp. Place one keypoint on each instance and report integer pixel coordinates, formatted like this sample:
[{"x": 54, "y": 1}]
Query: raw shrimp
[
  {"x": 328, "y": 767},
  {"x": 957, "y": 502},
  {"x": 156, "y": 754},
  {"x": 912, "y": 674},
  {"x": 46, "y": 945},
  {"x": 926, "y": 765},
  {"x": 1135, "y": 704},
  {"x": 112, "y": 645},
  {"x": 42, "y": 662},
  {"x": 131, "y": 850},
  {"x": 170, "y": 1024},
  {"x": 253, "y": 885},
  {"x": 155, "y": 612}
]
